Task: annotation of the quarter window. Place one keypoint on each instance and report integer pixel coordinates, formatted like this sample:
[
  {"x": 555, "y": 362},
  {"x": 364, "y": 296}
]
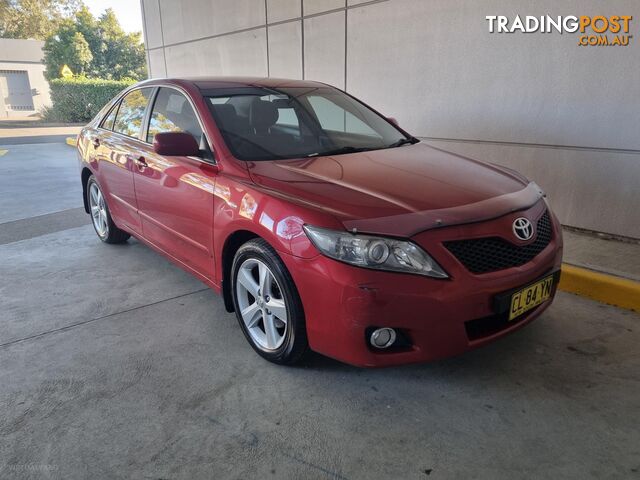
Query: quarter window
[
  {"x": 131, "y": 112},
  {"x": 107, "y": 123},
  {"x": 172, "y": 112}
]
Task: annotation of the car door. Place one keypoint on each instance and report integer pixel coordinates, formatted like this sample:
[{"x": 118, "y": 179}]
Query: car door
[
  {"x": 116, "y": 148},
  {"x": 175, "y": 194}
]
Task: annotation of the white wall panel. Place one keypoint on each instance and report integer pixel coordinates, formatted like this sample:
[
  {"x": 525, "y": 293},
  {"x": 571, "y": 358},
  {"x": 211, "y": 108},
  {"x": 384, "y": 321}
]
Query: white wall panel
[
  {"x": 191, "y": 19},
  {"x": 279, "y": 10},
  {"x": 285, "y": 50},
  {"x": 238, "y": 54},
  {"x": 152, "y": 25},
  {"x": 440, "y": 69},
  {"x": 316, "y": 6},
  {"x": 156, "y": 63},
  {"x": 324, "y": 48}
]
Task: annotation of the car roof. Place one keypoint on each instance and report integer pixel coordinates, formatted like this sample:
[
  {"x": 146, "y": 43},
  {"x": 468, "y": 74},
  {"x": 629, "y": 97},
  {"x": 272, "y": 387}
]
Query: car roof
[{"x": 212, "y": 83}]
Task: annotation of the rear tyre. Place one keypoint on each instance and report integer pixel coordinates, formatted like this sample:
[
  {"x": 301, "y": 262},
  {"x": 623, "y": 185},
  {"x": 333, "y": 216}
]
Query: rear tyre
[
  {"x": 100, "y": 215},
  {"x": 267, "y": 304}
]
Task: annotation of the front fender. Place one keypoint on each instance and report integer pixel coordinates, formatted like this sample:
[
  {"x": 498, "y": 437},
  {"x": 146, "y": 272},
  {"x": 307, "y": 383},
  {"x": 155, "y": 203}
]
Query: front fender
[{"x": 238, "y": 206}]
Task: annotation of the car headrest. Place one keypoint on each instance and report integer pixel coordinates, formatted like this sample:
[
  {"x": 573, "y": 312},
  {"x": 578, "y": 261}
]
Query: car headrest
[
  {"x": 262, "y": 114},
  {"x": 282, "y": 102},
  {"x": 226, "y": 115}
]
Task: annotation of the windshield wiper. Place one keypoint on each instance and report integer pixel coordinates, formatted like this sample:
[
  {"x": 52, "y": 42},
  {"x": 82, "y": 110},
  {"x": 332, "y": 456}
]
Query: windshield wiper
[
  {"x": 341, "y": 150},
  {"x": 403, "y": 141},
  {"x": 352, "y": 149}
]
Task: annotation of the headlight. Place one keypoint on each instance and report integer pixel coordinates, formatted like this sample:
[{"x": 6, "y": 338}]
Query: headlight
[{"x": 374, "y": 252}]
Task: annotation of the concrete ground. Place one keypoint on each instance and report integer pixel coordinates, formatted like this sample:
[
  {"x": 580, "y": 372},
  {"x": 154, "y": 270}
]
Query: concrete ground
[
  {"x": 604, "y": 255},
  {"x": 116, "y": 364},
  {"x": 24, "y": 134}
]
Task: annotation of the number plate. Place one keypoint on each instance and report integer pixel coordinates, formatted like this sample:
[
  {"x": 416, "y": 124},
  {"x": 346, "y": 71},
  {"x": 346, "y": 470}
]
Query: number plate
[{"x": 530, "y": 297}]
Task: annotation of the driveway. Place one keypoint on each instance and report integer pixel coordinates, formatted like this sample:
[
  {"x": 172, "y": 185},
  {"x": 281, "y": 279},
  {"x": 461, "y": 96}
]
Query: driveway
[{"x": 116, "y": 364}]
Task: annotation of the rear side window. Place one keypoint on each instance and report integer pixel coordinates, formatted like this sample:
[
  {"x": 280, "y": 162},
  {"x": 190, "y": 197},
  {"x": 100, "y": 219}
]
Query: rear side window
[
  {"x": 172, "y": 112},
  {"x": 130, "y": 115},
  {"x": 107, "y": 123}
]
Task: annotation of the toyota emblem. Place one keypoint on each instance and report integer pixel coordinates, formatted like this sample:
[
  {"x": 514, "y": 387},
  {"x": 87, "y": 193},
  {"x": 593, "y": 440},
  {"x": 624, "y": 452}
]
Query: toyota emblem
[{"x": 522, "y": 228}]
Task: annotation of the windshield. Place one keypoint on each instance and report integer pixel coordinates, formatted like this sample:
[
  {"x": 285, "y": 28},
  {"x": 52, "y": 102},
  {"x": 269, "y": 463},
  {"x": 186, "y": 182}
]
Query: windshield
[{"x": 293, "y": 122}]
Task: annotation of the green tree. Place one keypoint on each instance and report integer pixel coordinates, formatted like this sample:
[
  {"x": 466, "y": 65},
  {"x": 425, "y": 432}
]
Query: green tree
[
  {"x": 112, "y": 53},
  {"x": 67, "y": 47},
  {"x": 122, "y": 54},
  {"x": 36, "y": 19},
  {"x": 87, "y": 25}
]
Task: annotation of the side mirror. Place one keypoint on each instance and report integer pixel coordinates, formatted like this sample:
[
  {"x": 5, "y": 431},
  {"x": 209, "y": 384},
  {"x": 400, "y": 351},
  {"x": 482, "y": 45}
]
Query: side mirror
[
  {"x": 178, "y": 144},
  {"x": 393, "y": 120}
]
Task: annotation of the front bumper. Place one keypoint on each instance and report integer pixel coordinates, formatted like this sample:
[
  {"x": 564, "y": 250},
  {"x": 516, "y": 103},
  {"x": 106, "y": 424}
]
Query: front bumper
[{"x": 341, "y": 302}]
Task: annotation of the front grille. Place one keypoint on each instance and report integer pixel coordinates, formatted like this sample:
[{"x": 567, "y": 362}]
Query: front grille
[{"x": 482, "y": 255}]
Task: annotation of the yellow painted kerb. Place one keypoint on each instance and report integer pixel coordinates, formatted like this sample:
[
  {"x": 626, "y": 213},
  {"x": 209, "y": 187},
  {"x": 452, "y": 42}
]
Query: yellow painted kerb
[
  {"x": 71, "y": 141},
  {"x": 3, "y": 152},
  {"x": 601, "y": 287}
]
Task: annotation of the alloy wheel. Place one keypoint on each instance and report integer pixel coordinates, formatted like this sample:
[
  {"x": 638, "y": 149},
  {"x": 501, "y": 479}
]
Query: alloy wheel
[
  {"x": 98, "y": 210},
  {"x": 262, "y": 305}
]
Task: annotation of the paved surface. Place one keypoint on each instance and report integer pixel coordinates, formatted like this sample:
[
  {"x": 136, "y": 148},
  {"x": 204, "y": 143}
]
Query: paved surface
[
  {"x": 35, "y": 135},
  {"x": 37, "y": 180},
  {"x": 116, "y": 364},
  {"x": 602, "y": 254},
  {"x": 4, "y": 142},
  {"x": 8, "y": 134}
]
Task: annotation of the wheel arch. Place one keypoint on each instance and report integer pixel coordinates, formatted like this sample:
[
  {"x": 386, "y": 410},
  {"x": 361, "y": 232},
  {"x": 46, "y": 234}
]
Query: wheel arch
[
  {"x": 85, "y": 175},
  {"x": 231, "y": 245}
]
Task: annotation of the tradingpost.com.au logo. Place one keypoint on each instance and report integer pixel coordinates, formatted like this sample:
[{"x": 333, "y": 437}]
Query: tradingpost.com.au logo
[{"x": 593, "y": 31}]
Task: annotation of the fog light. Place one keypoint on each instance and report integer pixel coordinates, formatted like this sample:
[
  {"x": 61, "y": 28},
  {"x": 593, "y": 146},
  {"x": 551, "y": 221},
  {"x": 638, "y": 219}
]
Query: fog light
[{"x": 383, "y": 337}]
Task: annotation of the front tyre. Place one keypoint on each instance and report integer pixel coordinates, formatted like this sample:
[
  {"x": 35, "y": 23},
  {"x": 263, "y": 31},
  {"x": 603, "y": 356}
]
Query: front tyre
[
  {"x": 267, "y": 304},
  {"x": 100, "y": 215}
]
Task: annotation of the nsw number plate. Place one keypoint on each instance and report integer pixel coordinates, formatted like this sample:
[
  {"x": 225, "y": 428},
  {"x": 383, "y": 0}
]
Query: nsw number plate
[{"x": 530, "y": 297}]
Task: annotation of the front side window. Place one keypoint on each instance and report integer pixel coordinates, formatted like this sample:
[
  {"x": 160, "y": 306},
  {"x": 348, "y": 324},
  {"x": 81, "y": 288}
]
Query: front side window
[
  {"x": 130, "y": 115},
  {"x": 172, "y": 112},
  {"x": 293, "y": 122}
]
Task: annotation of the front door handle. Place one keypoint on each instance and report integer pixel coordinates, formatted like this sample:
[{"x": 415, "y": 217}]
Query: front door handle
[
  {"x": 140, "y": 162},
  {"x": 96, "y": 142}
]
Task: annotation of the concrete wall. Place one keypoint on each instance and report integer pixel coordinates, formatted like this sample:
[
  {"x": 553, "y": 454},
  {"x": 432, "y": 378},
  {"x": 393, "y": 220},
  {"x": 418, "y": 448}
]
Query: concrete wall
[
  {"x": 24, "y": 55},
  {"x": 566, "y": 116}
]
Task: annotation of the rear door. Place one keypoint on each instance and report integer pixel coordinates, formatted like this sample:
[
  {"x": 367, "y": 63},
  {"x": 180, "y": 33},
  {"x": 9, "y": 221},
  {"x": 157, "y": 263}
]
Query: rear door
[
  {"x": 175, "y": 194},
  {"x": 117, "y": 148}
]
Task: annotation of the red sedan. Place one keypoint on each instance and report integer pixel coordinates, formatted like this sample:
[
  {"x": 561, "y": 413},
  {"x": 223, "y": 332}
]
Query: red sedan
[{"x": 324, "y": 225}]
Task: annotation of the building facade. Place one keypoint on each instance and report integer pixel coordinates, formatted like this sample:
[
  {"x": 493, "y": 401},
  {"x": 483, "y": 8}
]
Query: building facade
[
  {"x": 565, "y": 115},
  {"x": 23, "y": 89}
]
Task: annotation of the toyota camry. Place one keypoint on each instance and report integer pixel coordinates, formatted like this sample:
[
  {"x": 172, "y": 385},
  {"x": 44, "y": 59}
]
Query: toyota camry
[{"x": 324, "y": 224}]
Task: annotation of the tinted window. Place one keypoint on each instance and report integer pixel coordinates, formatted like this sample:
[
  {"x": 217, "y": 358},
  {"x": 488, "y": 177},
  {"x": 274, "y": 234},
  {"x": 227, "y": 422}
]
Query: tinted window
[
  {"x": 109, "y": 119},
  {"x": 336, "y": 118},
  {"x": 172, "y": 112},
  {"x": 131, "y": 112},
  {"x": 294, "y": 122},
  {"x": 287, "y": 117}
]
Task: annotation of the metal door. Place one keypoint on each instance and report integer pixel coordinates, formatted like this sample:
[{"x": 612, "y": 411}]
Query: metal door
[{"x": 16, "y": 90}]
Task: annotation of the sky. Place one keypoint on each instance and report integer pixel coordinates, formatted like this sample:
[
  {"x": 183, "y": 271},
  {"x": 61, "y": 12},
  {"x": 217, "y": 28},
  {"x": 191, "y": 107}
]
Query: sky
[{"x": 127, "y": 11}]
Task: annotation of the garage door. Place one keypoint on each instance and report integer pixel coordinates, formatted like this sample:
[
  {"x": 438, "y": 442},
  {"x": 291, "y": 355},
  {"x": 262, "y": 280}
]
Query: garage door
[{"x": 16, "y": 90}]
